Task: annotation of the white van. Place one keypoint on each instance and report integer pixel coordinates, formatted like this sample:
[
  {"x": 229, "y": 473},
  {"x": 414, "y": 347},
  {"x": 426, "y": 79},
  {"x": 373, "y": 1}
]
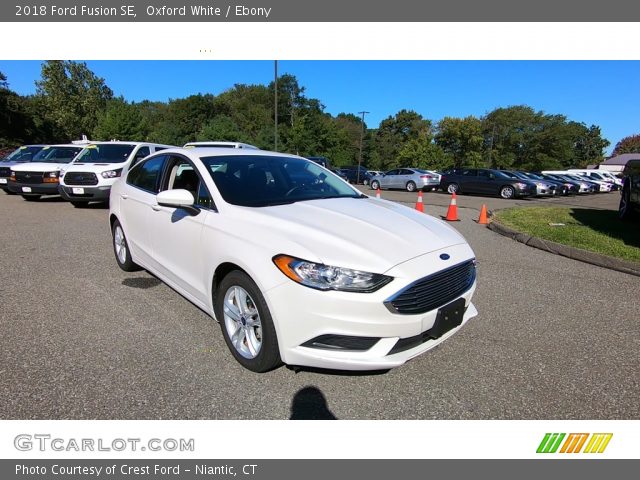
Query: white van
[
  {"x": 98, "y": 166},
  {"x": 599, "y": 175},
  {"x": 220, "y": 145}
]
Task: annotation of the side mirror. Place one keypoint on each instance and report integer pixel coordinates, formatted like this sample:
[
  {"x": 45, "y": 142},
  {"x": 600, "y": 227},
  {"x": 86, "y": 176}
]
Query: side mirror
[{"x": 178, "y": 199}]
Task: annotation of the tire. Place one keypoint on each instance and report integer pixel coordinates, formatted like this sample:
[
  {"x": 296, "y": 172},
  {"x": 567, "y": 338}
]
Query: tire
[
  {"x": 9, "y": 192},
  {"x": 375, "y": 185},
  {"x": 411, "y": 186},
  {"x": 31, "y": 198},
  {"x": 453, "y": 188},
  {"x": 365, "y": 182},
  {"x": 254, "y": 346},
  {"x": 625, "y": 209},
  {"x": 121, "y": 249},
  {"x": 507, "y": 192}
]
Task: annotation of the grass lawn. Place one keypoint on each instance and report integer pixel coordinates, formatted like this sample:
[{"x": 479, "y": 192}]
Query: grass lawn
[{"x": 595, "y": 230}]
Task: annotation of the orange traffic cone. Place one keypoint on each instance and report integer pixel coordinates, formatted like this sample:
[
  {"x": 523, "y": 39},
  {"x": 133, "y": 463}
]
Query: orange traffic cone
[
  {"x": 452, "y": 213},
  {"x": 483, "y": 220},
  {"x": 378, "y": 193},
  {"x": 419, "y": 204}
]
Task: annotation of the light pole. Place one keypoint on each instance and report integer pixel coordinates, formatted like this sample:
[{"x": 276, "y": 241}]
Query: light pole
[
  {"x": 275, "y": 103},
  {"x": 361, "y": 138}
]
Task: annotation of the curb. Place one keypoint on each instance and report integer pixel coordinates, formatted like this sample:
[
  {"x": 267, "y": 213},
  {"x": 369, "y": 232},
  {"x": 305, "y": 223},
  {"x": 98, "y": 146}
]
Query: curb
[{"x": 570, "y": 252}]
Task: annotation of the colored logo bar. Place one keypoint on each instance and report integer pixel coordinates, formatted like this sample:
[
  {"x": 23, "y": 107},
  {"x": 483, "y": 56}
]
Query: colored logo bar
[{"x": 574, "y": 443}]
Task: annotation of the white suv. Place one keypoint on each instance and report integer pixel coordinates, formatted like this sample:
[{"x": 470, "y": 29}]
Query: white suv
[{"x": 97, "y": 168}]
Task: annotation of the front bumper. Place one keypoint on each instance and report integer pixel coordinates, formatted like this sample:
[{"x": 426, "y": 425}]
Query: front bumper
[
  {"x": 4, "y": 184},
  {"x": 33, "y": 188},
  {"x": 301, "y": 314},
  {"x": 85, "y": 194},
  {"x": 526, "y": 192}
]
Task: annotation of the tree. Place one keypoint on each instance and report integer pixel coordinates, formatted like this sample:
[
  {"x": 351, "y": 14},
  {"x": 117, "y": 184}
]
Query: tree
[
  {"x": 73, "y": 96},
  {"x": 423, "y": 153},
  {"x": 121, "y": 120},
  {"x": 630, "y": 144},
  {"x": 394, "y": 132},
  {"x": 15, "y": 122},
  {"x": 462, "y": 139},
  {"x": 222, "y": 128},
  {"x": 589, "y": 146}
]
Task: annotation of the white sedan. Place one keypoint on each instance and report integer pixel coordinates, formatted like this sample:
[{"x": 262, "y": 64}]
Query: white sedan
[{"x": 295, "y": 264}]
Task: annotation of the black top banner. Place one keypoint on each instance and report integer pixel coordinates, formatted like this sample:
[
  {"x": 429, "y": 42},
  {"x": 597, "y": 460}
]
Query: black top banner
[{"x": 320, "y": 11}]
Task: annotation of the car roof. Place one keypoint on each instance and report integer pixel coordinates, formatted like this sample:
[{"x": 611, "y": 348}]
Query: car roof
[
  {"x": 226, "y": 152},
  {"x": 123, "y": 142},
  {"x": 221, "y": 144}
]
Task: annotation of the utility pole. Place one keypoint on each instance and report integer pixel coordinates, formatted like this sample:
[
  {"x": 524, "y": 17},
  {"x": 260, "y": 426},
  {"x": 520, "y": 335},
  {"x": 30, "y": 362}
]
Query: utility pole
[
  {"x": 275, "y": 103},
  {"x": 361, "y": 138}
]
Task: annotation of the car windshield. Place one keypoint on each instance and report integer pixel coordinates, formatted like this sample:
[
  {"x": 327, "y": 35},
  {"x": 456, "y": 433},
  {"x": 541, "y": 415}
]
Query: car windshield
[
  {"x": 57, "y": 154},
  {"x": 533, "y": 176},
  {"x": 262, "y": 181},
  {"x": 22, "y": 154},
  {"x": 106, "y": 153}
]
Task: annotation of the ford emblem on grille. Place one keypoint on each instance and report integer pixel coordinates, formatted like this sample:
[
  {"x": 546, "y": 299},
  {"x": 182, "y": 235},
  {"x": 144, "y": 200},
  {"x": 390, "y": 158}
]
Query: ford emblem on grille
[{"x": 444, "y": 256}]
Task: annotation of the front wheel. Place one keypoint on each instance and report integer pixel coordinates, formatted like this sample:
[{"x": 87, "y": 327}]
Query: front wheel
[
  {"x": 453, "y": 188},
  {"x": 375, "y": 185},
  {"x": 411, "y": 187},
  {"x": 246, "y": 323},
  {"x": 507, "y": 192},
  {"x": 121, "y": 249}
]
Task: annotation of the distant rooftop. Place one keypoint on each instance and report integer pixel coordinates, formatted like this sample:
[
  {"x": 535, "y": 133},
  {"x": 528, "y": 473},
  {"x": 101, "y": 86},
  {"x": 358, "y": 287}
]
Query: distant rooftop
[{"x": 621, "y": 159}]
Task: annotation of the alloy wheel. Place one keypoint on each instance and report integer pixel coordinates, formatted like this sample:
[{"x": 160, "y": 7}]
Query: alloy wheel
[{"x": 242, "y": 322}]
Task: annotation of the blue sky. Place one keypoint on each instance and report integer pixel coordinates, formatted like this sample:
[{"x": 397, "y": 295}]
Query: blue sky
[{"x": 604, "y": 93}]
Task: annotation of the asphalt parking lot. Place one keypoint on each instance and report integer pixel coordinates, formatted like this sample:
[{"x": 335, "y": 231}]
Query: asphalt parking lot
[{"x": 555, "y": 338}]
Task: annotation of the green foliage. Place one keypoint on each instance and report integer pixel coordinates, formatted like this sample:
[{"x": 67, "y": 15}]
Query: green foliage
[
  {"x": 462, "y": 139},
  {"x": 121, "y": 120},
  {"x": 73, "y": 97},
  {"x": 72, "y": 101},
  {"x": 630, "y": 144}
]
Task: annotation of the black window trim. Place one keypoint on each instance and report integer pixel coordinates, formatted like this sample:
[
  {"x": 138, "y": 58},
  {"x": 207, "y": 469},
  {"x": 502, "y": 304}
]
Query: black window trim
[
  {"x": 164, "y": 179},
  {"x": 142, "y": 162}
]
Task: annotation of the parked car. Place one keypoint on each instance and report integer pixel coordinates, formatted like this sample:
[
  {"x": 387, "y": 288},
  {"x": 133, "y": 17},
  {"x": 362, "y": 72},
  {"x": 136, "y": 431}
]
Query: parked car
[
  {"x": 97, "y": 168},
  {"x": 544, "y": 188},
  {"x": 487, "y": 182},
  {"x": 598, "y": 176},
  {"x": 561, "y": 187},
  {"x": 41, "y": 176},
  {"x": 356, "y": 174},
  {"x": 599, "y": 185},
  {"x": 409, "y": 179},
  {"x": 574, "y": 186},
  {"x": 584, "y": 185},
  {"x": 324, "y": 161},
  {"x": 20, "y": 155},
  {"x": 370, "y": 174},
  {"x": 630, "y": 194},
  {"x": 340, "y": 173},
  {"x": 307, "y": 272},
  {"x": 220, "y": 145}
]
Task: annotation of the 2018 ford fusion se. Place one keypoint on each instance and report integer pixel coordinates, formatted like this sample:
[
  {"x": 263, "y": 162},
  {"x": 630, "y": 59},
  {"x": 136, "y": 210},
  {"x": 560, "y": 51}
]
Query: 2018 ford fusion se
[{"x": 295, "y": 264}]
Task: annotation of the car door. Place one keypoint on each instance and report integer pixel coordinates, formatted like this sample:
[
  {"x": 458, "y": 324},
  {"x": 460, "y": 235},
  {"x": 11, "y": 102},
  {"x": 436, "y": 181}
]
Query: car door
[
  {"x": 404, "y": 177},
  {"x": 469, "y": 180},
  {"x": 485, "y": 182},
  {"x": 389, "y": 180},
  {"x": 136, "y": 200},
  {"x": 176, "y": 233}
]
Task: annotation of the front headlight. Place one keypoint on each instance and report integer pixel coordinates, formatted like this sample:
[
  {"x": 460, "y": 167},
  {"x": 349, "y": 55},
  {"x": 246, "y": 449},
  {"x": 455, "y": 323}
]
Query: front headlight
[
  {"x": 111, "y": 173},
  {"x": 521, "y": 185},
  {"x": 326, "y": 277}
]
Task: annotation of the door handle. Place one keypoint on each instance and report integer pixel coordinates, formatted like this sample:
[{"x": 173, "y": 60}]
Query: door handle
[
  {"x": 156, "y": 208},
  {"x": 124, "y": 196}
]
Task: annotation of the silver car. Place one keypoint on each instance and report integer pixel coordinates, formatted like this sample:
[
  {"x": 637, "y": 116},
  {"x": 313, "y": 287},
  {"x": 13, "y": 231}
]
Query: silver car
[{"x": 409, "y": 179}]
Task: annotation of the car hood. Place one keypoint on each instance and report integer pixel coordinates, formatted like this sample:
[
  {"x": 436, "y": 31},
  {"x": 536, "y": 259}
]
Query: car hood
[
  {"x": 39, "y": 167},
  {"x": 359, "y": 233},
  {"x": 94, "y": 167}
]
